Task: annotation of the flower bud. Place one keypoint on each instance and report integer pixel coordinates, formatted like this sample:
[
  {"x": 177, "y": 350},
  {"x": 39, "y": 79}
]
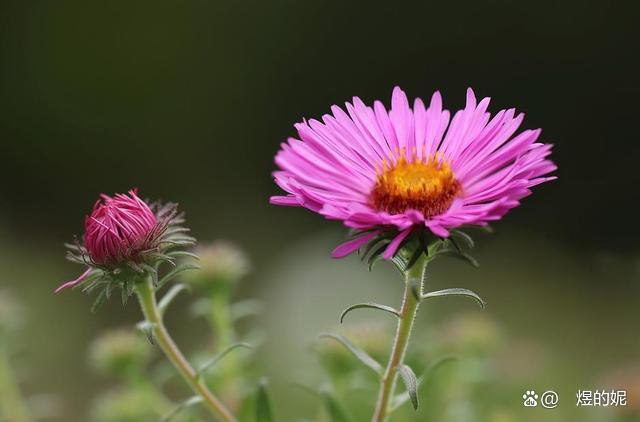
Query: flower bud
[
  {"x": 119, "y": 228},
  {"x": 125, "y": 241},
  {"x": 222, "y": 264}
]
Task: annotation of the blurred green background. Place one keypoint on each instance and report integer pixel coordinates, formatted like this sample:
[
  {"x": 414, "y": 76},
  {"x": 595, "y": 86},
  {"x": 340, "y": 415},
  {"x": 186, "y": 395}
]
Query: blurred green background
[{"x": 189, "y": 101}]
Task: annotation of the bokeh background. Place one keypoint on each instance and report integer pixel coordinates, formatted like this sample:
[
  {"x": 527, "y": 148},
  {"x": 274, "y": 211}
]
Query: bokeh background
[{"x": 189, "y": 101}]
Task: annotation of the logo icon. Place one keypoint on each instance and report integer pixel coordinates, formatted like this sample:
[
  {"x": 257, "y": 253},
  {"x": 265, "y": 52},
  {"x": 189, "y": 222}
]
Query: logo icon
[
  {"x": 549, "y": 399},
  {"x": 530, "y": 398}
]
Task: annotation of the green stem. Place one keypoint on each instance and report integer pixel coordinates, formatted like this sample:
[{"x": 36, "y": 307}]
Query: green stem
[
  {"x": 220, "y": 319},
  {"x": 222, "y": 325},
  {"x": 408, "y": 311},
  {"x": 146, "y": 295},
  {"x": 12, "y": 408}
]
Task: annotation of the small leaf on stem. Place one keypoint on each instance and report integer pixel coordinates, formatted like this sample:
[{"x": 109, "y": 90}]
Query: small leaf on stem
[
  {"x": 402, "y": 398},
  {"x": 456, "y": 292},
  {"x": 147, "y": 328},
  {"x": 174, "y": 273},
  {"x": 370, "y": 305},
  {"x": 360, "y": 354},
  {"x": 211, "y": 362},
  {"x": 411, "y": 384},
  {"x": 169, "y": 296},
  {"x": 190, "y": 402}
]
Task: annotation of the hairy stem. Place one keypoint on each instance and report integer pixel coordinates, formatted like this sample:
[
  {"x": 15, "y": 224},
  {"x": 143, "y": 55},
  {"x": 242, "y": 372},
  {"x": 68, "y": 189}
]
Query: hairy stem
[
  {"x": 12, "y": 407},
  {"x": 147, "y": 298},
  {"x": 408, "y": 311}
]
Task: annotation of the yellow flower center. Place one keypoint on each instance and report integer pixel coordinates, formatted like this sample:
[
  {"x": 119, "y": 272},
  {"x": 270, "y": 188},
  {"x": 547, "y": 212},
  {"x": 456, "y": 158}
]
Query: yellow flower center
[{"x": 428, "y": 186}]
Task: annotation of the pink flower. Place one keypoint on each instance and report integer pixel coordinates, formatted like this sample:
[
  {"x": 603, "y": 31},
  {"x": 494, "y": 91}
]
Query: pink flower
[{"x": 410, "y": 167}]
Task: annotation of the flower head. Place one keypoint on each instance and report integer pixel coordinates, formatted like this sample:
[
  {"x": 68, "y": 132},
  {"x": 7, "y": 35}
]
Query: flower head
[
  {"x": 125, "y": 239},
  {"x": 409, "y": 168},
  {"x": 119, "y": 229}
]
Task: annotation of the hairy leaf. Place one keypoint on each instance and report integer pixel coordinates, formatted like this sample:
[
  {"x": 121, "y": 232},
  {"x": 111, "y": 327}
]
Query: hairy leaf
[
  {"x": 456, "y": 292},
  {"x": 370, "y": 305},
  {"x": 402, "y": 398},
  {"x": 410, "y": 383}
]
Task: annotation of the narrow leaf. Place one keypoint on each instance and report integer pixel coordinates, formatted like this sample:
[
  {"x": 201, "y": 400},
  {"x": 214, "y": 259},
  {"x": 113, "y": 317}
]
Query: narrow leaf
[
  {"x": 245, "y": 308},
  {"x": 190, "y": 402},
  {"x": 402, "y": 398},
  {"x": 457, "y": 254},
  {"x": 457, "y": 292},
  {"x": 400, "y": 263},
  {"x": 360, "y": 354},
  {"x": 410, "y": 383},
  {"x": 211, "y": 362},
  {"x": 334, "y": 410},
  {"x": 177, "y": 254},
  {"x": 264, "y": 413},
  {"x": 370, "y": 305},
  {"x": 147, "y": 328},
  {"x": 414, "y": 258},
  {"x": 174, "y": 273},
  {"x": 464, "y": 237},
  {"x": 169, "y": 296}
]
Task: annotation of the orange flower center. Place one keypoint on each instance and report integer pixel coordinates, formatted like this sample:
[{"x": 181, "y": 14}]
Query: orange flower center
[{"x": 427, "y": 186}]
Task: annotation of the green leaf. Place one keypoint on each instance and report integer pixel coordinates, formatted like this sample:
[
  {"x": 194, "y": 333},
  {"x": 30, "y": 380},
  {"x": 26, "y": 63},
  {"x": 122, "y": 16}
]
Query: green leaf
[
  {"x": 410, "y": 383},
  {"x": 414, "y": 258},
  {"x": 457, "y": 254},
  {"x": 169, "y": 296},
  {"x": 360, "y": 354},
  {"x": 264, "y": 413},
  {"x": 178, "y": 254},
  {"x": 402, "y": 398},
  {"x": 147, "y": 328},
  {"x": 400, "y": 263},
  {"x": 456, "y": 292},
  {"x": 370, "y": 305},
  {"x": 211, "y": 362},
  {"x": 463, "y": 237},
  {"x": 245, "y": 308},
  {"x": 174, "y": 273},
  {"x": 376, "y": 256},
  {"x": 102, "y": 298},
  {"x": 190, "y": 402},
  {"x": 371, "y": 245},
  {"x": 334, "y": 410}
]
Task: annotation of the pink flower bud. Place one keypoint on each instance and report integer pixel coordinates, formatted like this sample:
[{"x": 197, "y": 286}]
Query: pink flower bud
[
  {"x": 124, "y": 232},
  {"x": 119, "y": 228}
]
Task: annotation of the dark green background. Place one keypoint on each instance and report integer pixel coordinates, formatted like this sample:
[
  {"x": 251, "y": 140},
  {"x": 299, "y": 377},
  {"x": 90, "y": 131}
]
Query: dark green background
[{"x": 189, "y": 100}]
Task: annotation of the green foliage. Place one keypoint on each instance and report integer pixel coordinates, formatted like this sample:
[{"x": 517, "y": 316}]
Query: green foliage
[
  {"x": 358, "y": 353},
  {"x": 264, "y": 411},
  {"x": 369, "y": 305}
]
